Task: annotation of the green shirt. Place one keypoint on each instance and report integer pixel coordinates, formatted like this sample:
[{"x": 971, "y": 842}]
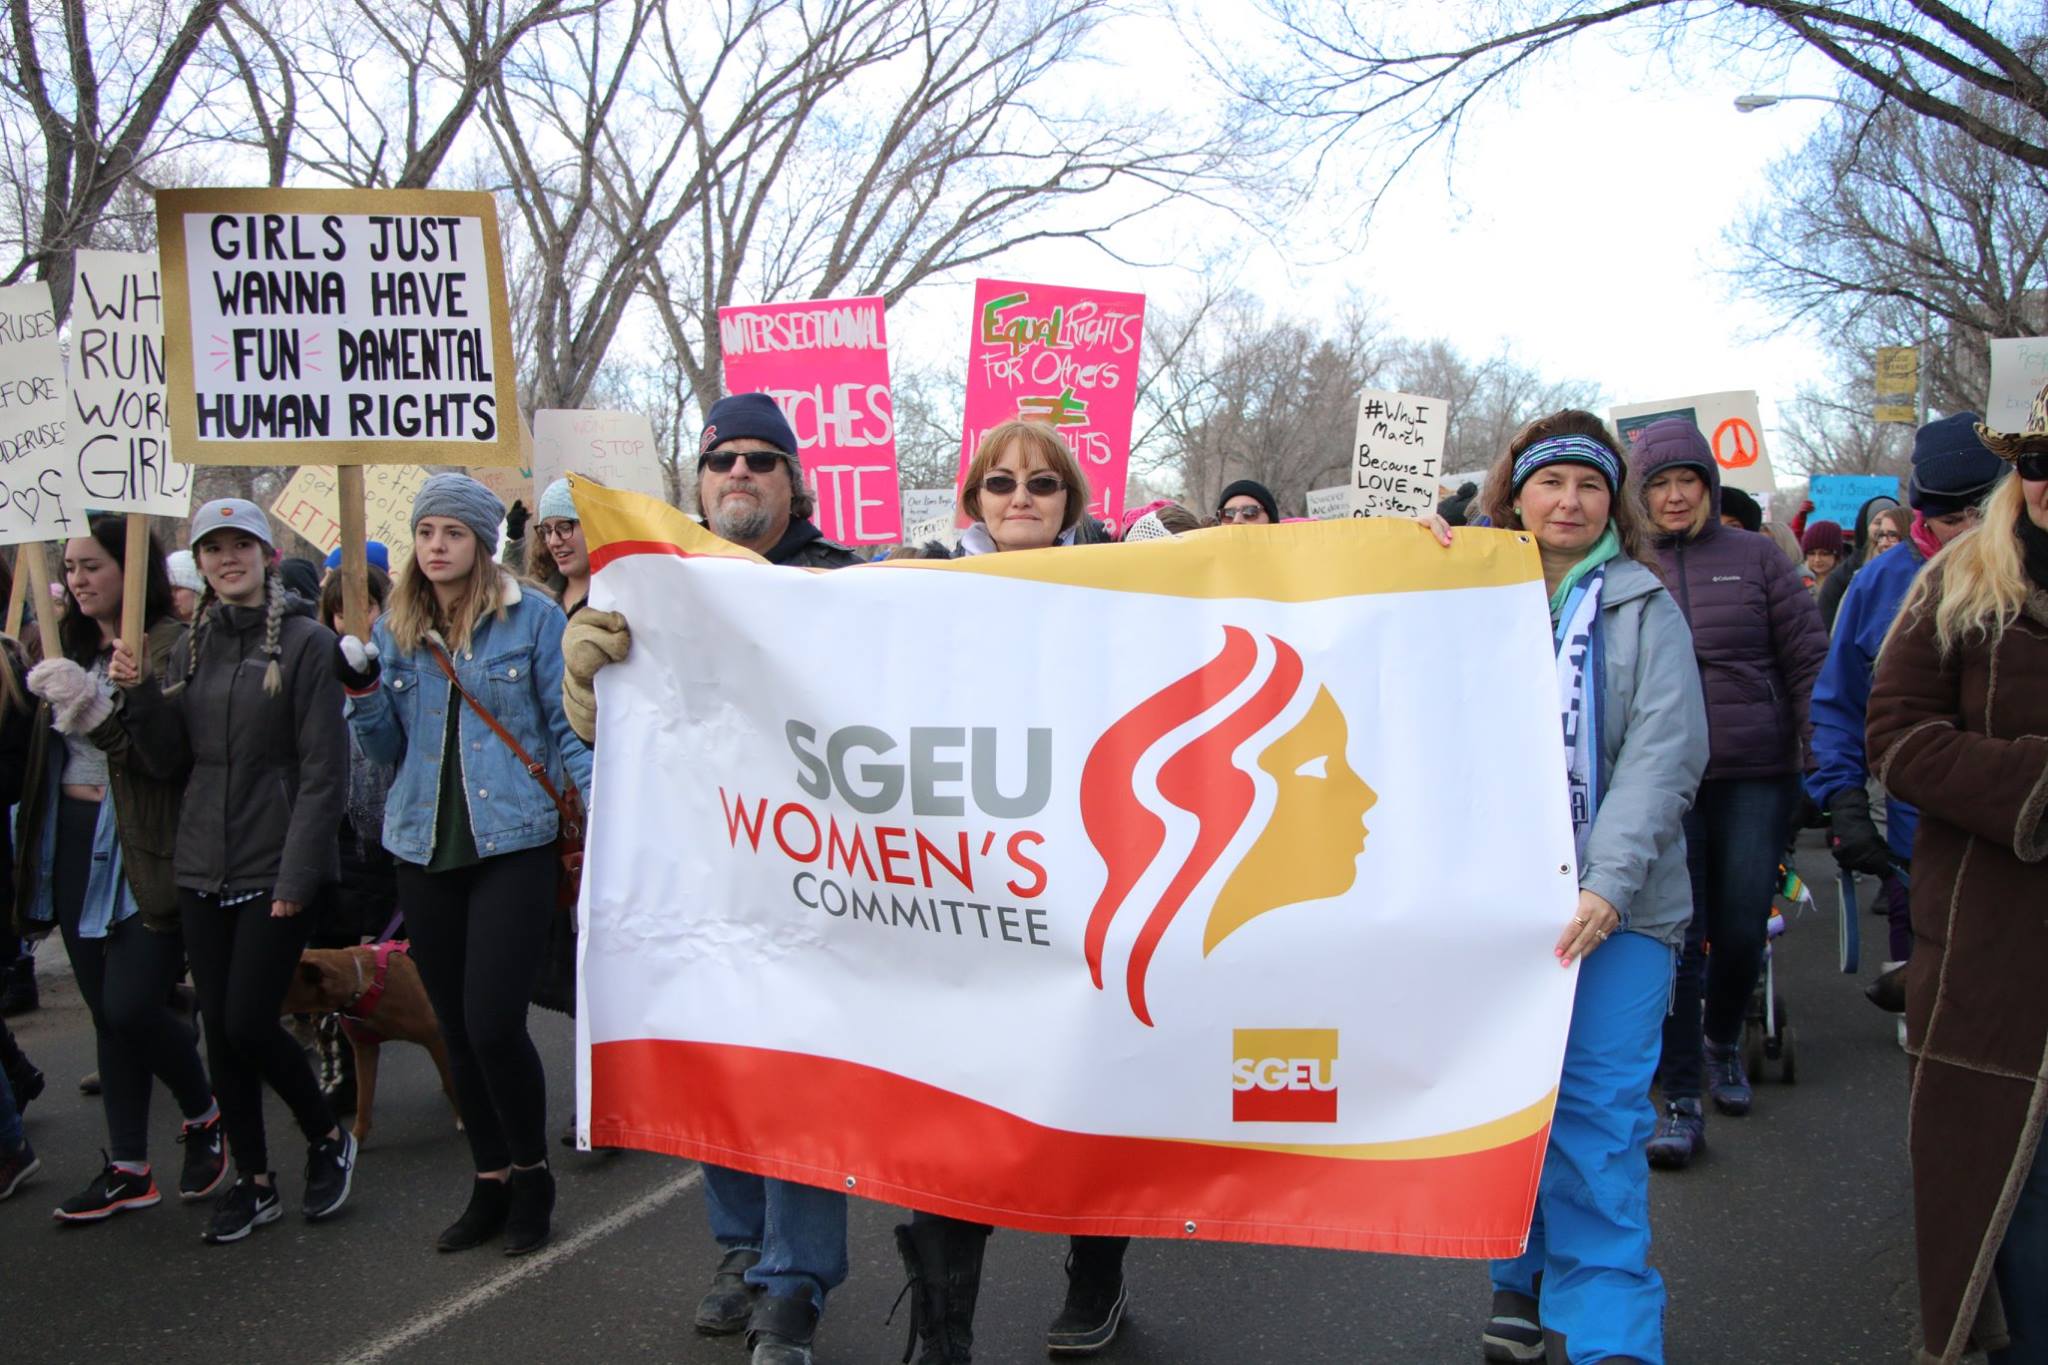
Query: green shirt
[{"x": 454, "y": 841}]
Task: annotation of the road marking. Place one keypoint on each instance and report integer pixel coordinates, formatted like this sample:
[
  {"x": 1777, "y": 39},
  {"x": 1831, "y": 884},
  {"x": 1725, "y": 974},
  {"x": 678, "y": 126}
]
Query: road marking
[{"x": 427, "y": 1323}]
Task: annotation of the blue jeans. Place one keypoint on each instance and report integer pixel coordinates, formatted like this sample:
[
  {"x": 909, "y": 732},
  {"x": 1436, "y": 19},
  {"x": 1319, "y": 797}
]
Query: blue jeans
[
  {"x": 10, "y": 1117},
  {"x": 799, "y": 1230},
  {"x": 1734, "y": 837},
  {"x": 1589, "y": 1238},
  {"x": 2022, "y": 1270}
]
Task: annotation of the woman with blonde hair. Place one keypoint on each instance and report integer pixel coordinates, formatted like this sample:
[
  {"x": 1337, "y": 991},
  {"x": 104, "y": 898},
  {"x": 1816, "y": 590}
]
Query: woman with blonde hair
[
  {"x": 460, "y": 692},
  {"x": 1958, "y": 712}
]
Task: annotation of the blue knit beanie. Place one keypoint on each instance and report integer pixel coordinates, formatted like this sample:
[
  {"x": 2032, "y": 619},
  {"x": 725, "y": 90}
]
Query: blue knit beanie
[
  {"x": 746, "y": 414},
  {"x": 1952, "y": 467},
  {"x": 466, "y": 500},
  {"x": 556, "y": 504}
]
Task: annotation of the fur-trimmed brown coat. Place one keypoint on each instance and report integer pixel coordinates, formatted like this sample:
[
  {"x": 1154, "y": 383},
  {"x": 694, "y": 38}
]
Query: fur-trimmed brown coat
[{"x": 1966, "y": 740}]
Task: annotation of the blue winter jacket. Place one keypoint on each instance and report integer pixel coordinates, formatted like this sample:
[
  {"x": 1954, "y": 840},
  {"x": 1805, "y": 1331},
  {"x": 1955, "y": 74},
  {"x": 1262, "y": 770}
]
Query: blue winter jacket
[
  {"x": 1841, "y": 696},
  {"x": 514, "y": 667}
]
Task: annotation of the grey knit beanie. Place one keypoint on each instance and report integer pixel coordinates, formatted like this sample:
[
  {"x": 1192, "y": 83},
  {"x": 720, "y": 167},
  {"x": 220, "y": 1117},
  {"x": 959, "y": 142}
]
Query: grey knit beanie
[{"x": 466, "y": 500}]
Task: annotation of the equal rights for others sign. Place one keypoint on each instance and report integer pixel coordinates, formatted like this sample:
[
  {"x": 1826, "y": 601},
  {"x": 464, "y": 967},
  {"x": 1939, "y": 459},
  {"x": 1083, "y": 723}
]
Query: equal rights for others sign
[
  {"x": 336, "y": 327},
  {"x": 1143, "y": 941},
  {"x": 826, "y": 364},
  {"x": 1063, "y": 356}
]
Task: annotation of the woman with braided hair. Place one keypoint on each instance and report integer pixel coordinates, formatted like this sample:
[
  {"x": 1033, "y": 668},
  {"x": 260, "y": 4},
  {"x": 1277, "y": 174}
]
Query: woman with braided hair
[{"x": 251, "y": 714}]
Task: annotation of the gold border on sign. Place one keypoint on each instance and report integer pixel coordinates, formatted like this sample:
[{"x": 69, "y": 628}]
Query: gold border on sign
[{"x": 181, "y": 393}]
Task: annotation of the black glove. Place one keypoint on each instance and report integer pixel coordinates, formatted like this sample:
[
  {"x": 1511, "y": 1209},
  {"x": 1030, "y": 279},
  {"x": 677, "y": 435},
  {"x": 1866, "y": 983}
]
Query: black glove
[
  {"x": 355, "y": 663},
  {"x": 515, "y": 521},
  {"x": 1853, "y": 836}
]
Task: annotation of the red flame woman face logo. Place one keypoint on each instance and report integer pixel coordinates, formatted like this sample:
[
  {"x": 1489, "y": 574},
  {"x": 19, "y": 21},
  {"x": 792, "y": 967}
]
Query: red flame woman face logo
[{"x": 1309, "y": 848}]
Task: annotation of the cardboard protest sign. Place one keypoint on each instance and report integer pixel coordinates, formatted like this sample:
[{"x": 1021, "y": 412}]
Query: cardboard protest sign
[
  {"x": 1179, "y": 903},
  {"x": 310, "y": 504},
  {"x": 2019, "y": 367},
  {"x": 615, "y": 449},
  {"x": 826, "y": 364},
  {"x": 1732, "y": 423},
  {"x": 39, "y": 494},
  {"x": 1067, "y": 357},
  {"x": 120, "y": 430},
  {"x": 921, "y": 505},
  {"x": 1326, "y": 503},
  {"x": 336, "y": 327},
  {"x": 1397, "y": 455},
  {"x": 1838, "y": 497}
]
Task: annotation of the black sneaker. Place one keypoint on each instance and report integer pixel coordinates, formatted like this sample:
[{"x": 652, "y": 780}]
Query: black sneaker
[
  {"x": 16, "y": 1167},
  {"x": 729, "y": 1302},
  {"x": 111, "y": 1191},
  {"x": 244, "y": 1208},
  {"x": 330, "y": 1172},
  {"x": 206, "y": 1159},
  {"x": 1514, "y": 1334}
]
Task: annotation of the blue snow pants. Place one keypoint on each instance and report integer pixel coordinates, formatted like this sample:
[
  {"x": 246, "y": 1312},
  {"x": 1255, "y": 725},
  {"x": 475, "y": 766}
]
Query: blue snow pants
[{"x": 1590, "y": 1236}]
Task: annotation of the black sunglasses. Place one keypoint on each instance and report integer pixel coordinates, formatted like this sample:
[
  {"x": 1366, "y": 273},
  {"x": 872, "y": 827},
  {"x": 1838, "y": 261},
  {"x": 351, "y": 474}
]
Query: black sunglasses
[
  {"x": 1040, "y": 485},
  {"x": 2033, "y": 467},
  {"x": 758, "y": 461}
]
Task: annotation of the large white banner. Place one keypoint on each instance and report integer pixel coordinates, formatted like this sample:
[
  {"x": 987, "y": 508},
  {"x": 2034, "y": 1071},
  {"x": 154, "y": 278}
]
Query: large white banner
[{"x": 1106, "y": 889}]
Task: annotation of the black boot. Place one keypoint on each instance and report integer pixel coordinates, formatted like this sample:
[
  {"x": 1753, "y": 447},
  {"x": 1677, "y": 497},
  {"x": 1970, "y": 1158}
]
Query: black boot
[
  {"x": 489, "y": 1201},
  {"x": 22, "y": 1077},
  {"x": 729, "y": 1302},
  {"x": 1095, "y": 1297},
  {"x": 943, "y": 1258},
  {"x": 533, "y": 1209},
  {"x": 781, "y": 1330},
  {"x": 18, "y": 994}
]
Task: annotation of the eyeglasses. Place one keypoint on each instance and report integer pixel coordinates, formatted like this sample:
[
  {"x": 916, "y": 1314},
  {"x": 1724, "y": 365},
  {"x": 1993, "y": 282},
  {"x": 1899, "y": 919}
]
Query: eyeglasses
[
  {"x": 758, "y": 461},
  {"x": 1252, "y": 513},
  {"x": 2033, "y": 467},
  {"x": 1040, "y": 485},
  {"x": 556, "y": 530}
]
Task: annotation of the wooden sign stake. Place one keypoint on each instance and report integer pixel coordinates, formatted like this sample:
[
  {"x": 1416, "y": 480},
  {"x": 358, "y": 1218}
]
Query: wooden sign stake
[
  {"x": 17, "y": 596},
  {"x": 135, "y": 585},
  {"x": 39, "y": 588},
  {"x": 355, "y": 562}
]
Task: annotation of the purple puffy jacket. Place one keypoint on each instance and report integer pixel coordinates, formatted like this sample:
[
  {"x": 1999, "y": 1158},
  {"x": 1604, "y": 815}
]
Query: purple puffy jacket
[{"x": 1755, "y": 628}]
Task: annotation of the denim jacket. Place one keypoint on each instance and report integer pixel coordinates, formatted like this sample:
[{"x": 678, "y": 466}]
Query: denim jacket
[
  {"x": 108, "y": 900},
  {"x": 514, "y": 667}
]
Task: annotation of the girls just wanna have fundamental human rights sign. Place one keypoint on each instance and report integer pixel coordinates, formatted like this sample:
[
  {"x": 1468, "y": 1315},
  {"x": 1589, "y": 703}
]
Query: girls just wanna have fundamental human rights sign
[{"x": 1148, "y": 940}]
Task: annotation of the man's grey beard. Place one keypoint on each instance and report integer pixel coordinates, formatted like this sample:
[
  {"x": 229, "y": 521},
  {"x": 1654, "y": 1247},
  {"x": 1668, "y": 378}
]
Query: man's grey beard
[{"x": 741, "y": 524}]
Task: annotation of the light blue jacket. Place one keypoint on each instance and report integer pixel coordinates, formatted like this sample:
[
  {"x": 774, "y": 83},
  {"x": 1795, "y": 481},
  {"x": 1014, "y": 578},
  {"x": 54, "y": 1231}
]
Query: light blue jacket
[
  {"x": 514, "y": 667},
  {"x": 1653, "y": 751},
  {"x": 108, "y": 900}
]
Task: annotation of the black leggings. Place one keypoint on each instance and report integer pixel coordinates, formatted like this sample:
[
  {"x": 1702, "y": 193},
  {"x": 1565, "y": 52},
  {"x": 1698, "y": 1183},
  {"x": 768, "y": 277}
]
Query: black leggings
[
  {"x": 125, "y": 979},
  {"x": 242, "y": 964},
  {"x": 478, "y": 934}
]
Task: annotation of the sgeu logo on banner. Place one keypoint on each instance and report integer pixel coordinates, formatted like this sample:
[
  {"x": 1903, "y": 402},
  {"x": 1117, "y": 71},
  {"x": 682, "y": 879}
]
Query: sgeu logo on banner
[
  {"x": 1283, "y": 1075},
  {"x": 826, "y": 364},
  {"x": 1066, "y": 357}
]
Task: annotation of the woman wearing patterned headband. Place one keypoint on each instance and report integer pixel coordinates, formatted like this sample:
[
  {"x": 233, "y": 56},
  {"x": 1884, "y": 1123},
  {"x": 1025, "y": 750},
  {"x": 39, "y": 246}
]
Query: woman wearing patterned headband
[{"x": 1635, "y": 733}]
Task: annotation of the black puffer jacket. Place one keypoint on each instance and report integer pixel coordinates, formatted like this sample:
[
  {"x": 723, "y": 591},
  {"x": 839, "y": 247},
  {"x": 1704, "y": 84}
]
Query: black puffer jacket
[{"x": 268, "y": 778}]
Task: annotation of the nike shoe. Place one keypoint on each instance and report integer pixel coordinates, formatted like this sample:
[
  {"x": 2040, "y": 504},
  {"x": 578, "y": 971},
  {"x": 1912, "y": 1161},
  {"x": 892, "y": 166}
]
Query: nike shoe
[
  {"x": 244, "y": 1208},
  {"x": 111, "y": 1191},
  {"x": 16, "y": 1167},
  {"x": 206, "y": 1159},
  {"x": 330, "y": 1171}
]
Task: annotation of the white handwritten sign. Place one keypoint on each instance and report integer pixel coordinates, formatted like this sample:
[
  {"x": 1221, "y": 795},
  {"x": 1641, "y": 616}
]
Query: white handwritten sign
[
  {"x": 119, "y": 428},
  {"x": 1397, "y": 455},
  {"x": 615, "y": 449},
  {"x": 1326, "y": 503},
  {"x": 309, "y": 505},
  {"x": 2019, "y": 367},
  {"x": 921, "y": 505},
  {"x": 39, "y": 494},
  {"x": 336, "y": 326}
]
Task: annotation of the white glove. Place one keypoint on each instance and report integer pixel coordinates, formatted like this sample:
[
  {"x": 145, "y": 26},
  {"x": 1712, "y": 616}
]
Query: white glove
[
  {"x": 360, "y": 655},
  {"x": 77, "y": 704}
]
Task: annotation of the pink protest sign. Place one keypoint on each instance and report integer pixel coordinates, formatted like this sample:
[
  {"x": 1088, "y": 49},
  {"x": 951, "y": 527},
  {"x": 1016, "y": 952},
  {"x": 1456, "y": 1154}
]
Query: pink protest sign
[
  {"x": 826, "y": 364},
  {"x": 1064, "y": 356}
]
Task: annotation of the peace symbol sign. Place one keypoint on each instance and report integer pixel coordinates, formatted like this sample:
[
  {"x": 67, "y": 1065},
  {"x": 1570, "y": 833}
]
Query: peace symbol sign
[{"x": 1735, "y": 444}]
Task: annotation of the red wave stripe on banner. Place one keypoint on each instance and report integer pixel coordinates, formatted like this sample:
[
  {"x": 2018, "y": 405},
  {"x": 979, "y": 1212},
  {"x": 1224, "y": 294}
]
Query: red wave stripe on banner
[{"x": 826, "y": 1120}]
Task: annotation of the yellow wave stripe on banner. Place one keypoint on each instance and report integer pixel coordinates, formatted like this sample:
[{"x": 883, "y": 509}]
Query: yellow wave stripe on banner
[
  {"x": 1482, "y": 1137},
  {"x": 1300, "y": 562}
]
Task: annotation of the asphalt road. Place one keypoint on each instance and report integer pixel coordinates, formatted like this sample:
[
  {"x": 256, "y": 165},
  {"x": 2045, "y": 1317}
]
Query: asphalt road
[{"x": 1789, "y": 1243}]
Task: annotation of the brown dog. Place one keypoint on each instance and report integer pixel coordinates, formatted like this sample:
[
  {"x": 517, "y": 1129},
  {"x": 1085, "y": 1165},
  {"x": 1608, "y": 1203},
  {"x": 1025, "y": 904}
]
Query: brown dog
[{"x": 378, "y": 993}]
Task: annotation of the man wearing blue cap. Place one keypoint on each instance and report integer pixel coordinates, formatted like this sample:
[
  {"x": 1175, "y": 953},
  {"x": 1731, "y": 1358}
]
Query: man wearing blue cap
[
  {"x": 1952, "y": 471},
  {"x": 750, "y": 486}
]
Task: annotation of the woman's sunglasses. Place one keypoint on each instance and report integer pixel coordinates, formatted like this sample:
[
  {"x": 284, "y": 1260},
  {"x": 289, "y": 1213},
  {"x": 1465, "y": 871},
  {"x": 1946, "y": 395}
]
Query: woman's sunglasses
[
  {"x": 758, "y": 461},
  {"x": 1038, "y": 485},
  {"x": 2033, "y": 467}
]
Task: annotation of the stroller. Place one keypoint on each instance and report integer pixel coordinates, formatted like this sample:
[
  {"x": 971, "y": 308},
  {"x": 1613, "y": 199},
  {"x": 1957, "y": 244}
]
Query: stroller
[{"x": 1767, "y": 1025}]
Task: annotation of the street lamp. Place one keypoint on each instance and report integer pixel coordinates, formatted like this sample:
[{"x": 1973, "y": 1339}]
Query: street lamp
[{"x": 1745, "y": 104}]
